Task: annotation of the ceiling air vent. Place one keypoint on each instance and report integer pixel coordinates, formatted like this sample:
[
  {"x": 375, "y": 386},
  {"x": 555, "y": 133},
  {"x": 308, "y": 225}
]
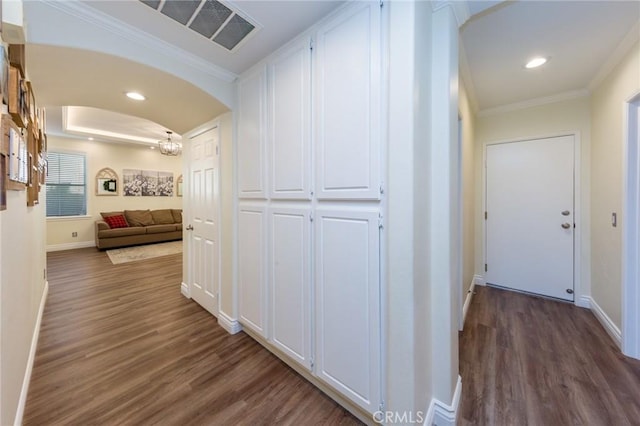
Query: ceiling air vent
[{"x": 209, "y": 18}]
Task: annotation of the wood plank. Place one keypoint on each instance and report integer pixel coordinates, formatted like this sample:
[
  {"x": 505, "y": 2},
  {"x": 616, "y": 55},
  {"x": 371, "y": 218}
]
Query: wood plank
[
  {"x": 527, "y": 360},
  {"x": 120, "y": 345}
]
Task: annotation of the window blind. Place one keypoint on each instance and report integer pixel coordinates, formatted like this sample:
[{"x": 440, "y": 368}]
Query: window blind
[{"x": 66, "y": 184}]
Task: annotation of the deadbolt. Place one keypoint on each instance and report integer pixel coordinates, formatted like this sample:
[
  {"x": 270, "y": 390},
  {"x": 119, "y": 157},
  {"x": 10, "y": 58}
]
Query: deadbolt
[
  {"x": 566, "y": 225},
  {"x": 566, "y": 213}
]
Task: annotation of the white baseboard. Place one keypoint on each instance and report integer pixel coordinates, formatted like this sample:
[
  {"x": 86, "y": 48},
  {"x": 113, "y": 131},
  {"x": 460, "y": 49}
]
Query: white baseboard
[
  {"x": 71, "y": 246},
  {"x": 606, "y": 322},
  {"x": 583, "y": 302},
  {"x": 467, "y": 301},
  {"x": 32, "y": 356},
  {"x": 184, "y": 289},
  {"x": 232, "y": 326},
  {"x": 441, "y": 414},
  {"x": 479, "y": 280}
]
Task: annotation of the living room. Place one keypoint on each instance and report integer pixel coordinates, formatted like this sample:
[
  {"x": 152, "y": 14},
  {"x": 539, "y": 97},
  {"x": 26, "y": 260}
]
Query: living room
[{"x": 70, "y": 232}]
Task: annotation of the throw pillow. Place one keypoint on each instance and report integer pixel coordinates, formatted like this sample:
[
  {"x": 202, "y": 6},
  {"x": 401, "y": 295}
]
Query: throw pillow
[
  {"x": 138, "y": 217},
  {"x": 177, "y": 215},
  {"x": 162, "y": 217},
  {"x": 116, "y": 221}
]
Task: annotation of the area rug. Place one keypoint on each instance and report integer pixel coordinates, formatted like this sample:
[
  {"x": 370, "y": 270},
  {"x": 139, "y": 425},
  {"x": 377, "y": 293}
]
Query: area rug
[{"x": 133, "y": 254}]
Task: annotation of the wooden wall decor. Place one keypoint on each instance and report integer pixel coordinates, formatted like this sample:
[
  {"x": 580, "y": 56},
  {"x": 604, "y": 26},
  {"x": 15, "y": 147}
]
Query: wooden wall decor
[
  {"x": 107, "y": 182},
  {"x": 17, "y": 57},
  {"x": 18, "y": 98},
  {"x": 33, "y": 183}
]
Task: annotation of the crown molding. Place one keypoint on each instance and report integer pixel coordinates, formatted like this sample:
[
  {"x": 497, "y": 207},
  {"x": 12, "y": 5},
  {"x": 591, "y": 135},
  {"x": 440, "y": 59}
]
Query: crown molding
[
  {"x": 616, "y": 57},
  {"x": 460, "y": 9},
  {"x": 79, "y": 10},
  {"x": 565, "y": 96}
]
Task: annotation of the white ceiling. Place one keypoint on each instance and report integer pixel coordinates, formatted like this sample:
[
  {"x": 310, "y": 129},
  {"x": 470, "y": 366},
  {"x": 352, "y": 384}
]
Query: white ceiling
[
  {"x": 578, "y": 36},
  {"x": 64, "y": 76}
]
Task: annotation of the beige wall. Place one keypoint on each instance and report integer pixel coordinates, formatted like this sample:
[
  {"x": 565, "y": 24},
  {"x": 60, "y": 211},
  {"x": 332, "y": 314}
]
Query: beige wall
[
  {"x": 607, "y": 181},
  {"x": 22, "y": 284},
  {"x": 545, "y": 120},
  {"x": 116, "y": 157},
  {"x": 468, "y": 189}
]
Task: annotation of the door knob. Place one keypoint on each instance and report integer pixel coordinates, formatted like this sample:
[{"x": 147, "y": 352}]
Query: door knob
[
  {"x": 189, "y": 228},
  {"x": 566, "y": 225},
  {"x": 566, "y": 213}
]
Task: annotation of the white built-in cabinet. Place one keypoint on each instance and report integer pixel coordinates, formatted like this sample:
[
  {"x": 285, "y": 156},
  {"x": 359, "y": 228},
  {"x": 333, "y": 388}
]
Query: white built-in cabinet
[{"x": 309, "y": 155}]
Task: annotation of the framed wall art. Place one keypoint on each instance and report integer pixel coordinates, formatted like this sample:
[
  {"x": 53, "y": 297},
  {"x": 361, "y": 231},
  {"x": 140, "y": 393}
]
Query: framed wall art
[
  {"x": 145, "y": 183},
  {"x": 106, "y": 182}
]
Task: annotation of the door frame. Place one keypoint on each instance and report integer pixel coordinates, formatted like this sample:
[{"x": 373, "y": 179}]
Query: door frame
[
  {"x": 581, "y": 295},
  {"x": 631, "y": 228}
]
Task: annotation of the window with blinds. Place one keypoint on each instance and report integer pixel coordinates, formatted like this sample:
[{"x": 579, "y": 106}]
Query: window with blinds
[{"x": 66, "y": 184}]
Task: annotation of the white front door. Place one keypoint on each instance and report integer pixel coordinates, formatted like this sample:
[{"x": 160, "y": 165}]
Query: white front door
[
  {"x": 530, "y": 216},
  {"x": 204, "y": 206}
]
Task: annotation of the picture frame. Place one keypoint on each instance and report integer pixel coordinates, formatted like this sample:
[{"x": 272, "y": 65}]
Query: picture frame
[
  {"x": 107, "y": 182},
  {"x": 145, "y": 183},
  {"x": 3, "y": 185},
  {"x": 179, "y": 186},
  {"x": 4, "y": 74}
]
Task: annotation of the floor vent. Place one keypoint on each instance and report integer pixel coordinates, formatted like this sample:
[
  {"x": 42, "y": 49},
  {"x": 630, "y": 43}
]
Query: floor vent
[{"x": 210, "y": 18}]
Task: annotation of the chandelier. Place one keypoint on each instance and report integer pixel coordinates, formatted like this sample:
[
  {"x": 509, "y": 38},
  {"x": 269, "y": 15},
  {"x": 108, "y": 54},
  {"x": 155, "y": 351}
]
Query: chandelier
[{"x": 169, "y": 147}]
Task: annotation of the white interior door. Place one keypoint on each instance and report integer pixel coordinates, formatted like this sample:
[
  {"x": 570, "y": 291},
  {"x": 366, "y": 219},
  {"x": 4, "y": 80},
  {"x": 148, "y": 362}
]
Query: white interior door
[
  {"x": 530, "y": 216},
  {"x": 204, "y": 243}
]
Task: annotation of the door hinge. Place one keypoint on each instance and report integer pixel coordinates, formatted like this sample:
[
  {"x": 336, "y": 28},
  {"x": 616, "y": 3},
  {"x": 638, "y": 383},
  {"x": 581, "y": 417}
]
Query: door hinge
[
  {"x": 381, "y": 3},
  {"x": 310, "y": 218},
  {"x": 485, "y": 267},
  {"x": 380, "y": 221},
  {"x": 381, "y": 189},
  {"x": 485, "y": 215},
  {"x": 312, "y": 363},
  {"x": 311, "y": 44}
]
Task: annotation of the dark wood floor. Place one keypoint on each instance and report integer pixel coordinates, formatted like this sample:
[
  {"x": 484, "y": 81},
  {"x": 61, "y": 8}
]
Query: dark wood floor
[
  {"x": 119, "y": 345},
  {"x": 530, "y": 361}
]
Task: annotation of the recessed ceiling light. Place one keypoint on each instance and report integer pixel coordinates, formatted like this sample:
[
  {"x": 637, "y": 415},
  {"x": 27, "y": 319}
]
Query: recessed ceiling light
[
  {"x": 536, "y": 62},
  {"x": 152, "y": 147},
  {"x": 90, "y": 139},
  {"x": 135, "y": 96}
]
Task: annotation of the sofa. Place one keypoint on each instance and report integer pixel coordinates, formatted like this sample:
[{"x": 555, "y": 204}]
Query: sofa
[{"x": 133, "y": 227}]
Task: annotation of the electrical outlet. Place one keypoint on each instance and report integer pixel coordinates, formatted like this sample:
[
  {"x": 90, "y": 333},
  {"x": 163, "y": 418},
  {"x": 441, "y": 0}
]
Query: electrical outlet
[{"x": 74, "y": 234}]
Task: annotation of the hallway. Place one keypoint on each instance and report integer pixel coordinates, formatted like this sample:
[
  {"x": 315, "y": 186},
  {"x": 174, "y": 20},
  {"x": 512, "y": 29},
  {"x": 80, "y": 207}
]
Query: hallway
[
  {"x": 530, "y": 361},
  {"x": 120, "y": 345}
]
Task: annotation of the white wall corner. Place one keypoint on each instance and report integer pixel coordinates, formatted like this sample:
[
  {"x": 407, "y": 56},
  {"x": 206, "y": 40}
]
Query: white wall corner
[
  {"x": 607, "y": 323},
  {"x": 479, "y": 280},
  {"x": 616, "y": 56},
  {"x": 232, "y": 326},
  {"x": 441, "y": 414},
  {"x": 583, "y": 302},
  {"x": 22, "y": 402},
  {"x": 184, "y": 289},
  {"x": 460, "y": 9}
]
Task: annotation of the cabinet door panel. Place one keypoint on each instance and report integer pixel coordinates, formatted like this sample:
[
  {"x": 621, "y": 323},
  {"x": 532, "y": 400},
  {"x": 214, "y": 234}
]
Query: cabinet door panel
[
  {"x": 251, "y": 267},
  {"x": 347, "y": 304},
  {"x": 347, "y": 96},
  {"x": 290, "y": 282},
  {"x": 290, "y": 109},
  {"x": 251, "y": 135}
]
